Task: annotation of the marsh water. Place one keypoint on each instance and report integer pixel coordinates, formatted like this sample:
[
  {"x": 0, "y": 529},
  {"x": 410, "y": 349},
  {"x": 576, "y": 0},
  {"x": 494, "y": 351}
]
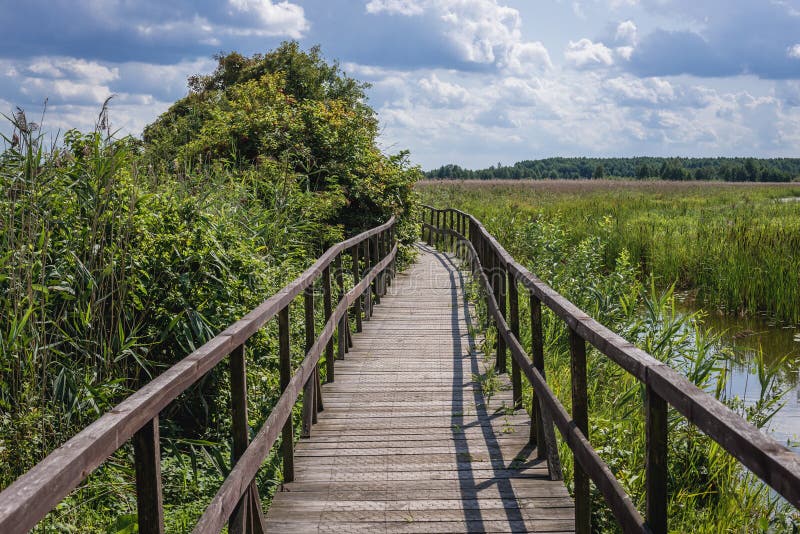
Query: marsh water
[{"x": 780, "y": 346}]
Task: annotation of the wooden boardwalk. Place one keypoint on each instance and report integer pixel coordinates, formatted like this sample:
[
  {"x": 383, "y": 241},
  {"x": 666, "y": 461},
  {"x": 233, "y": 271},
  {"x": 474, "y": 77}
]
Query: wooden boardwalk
[
  {"x": 408, "y": 441},
  {"x": 418, "y": 434}
]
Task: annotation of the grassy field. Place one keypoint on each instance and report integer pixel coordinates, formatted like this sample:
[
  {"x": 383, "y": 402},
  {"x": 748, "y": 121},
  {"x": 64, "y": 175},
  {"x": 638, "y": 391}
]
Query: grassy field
[
  {"x": 736, "y": 247},
  {"x": 597, "y": 243}
]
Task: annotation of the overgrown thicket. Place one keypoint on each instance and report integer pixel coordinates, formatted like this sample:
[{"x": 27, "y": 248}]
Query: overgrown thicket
[
  {"x": 709, "y": 491},
  {"x": 119, "y": 257}
]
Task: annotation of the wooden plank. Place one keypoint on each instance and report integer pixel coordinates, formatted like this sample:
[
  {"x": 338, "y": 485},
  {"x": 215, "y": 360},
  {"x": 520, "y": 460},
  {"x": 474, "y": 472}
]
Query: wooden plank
[{"x": 407, "y": 429}]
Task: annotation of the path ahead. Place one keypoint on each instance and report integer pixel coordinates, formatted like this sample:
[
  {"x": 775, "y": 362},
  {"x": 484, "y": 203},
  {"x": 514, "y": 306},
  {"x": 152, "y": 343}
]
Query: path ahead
[{"x": 408, "y": 442}]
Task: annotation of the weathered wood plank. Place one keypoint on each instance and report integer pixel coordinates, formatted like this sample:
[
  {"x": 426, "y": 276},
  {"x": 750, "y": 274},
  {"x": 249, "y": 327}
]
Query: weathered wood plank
[{"x": 407, "y": 429}]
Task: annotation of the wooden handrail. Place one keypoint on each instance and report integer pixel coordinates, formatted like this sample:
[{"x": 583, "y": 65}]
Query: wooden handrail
[
  {"x": 773, "y": 463},
  {"x": 28, "y": 499}
]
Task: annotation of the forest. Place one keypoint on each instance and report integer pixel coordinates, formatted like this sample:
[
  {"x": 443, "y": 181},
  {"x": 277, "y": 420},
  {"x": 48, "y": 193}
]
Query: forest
[{"x": 639, "y": 168}]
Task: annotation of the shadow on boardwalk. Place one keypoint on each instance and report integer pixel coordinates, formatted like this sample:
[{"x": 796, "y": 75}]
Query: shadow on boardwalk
[{"x": 408, "y": 441}]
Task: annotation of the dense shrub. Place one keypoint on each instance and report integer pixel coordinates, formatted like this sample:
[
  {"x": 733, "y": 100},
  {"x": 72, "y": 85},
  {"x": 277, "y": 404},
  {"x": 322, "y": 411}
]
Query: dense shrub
[{"x": 119, "y": 256}]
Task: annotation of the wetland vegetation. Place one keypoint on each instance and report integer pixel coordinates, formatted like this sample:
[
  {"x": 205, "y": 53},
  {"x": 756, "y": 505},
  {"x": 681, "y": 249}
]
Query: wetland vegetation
[
  {"x": 621, "y": 251},
  {"x": 118, "y": 257}
]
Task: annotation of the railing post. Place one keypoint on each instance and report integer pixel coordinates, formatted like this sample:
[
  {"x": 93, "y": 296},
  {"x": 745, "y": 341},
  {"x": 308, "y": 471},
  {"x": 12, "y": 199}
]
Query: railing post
[
  {"x": 580, "y": 415},
  {"x": 378, "y": 255},
  {"x": 496, "y": 282},
  {"x": 341, "y": 335},
  {"x": 285, "y": 363},
  {"x": 359, "y": 303},
  {"x": 375, "y": 249},
  {"x": 501, "y": 276},
  {"x": 513, "y": 312},
  {"x": 427, "y": 217},
  {"x": 656, "y": 469},
  {"x": 368, "y": 290},
  {"x": 389, "y": 248},
  {"x": 424, "y": 219},
  {"x": 381, "y": 279},
  {"x": 438, "y": 238},
  {"x": 462, "y": 232},
  {"x": 309, "y": 402},
  {"x": 422, "y": 224},
  {"x": 247, "y": 517},
  {"x": 327, "y": 307},
  {"x": 542, "y": 431},
  {"x": 473, "y": 239},
  {"x": 149, "y": 499},
  {"x": 450, "y": 227}
]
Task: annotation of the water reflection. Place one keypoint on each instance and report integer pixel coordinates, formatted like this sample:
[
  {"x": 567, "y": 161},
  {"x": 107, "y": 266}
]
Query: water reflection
[{"x": 780, "y": 345}]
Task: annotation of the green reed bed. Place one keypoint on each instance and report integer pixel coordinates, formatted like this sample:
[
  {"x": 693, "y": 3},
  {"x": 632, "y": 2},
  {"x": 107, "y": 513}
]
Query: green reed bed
[
  {"x": 736, "y": 247},
  {"x": 573, "y": 241}
]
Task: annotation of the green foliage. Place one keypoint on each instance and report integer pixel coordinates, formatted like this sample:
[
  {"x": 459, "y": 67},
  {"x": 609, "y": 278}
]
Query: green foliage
[
  {"x": 573, "y": 249},
  {"x": 292, "y": 112},
  {"x": 732, "y": 247},
  {"x": 119, "y": 257}
]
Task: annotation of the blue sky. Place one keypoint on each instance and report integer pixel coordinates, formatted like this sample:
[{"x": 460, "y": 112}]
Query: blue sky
[{"x": 471, "y": 82}]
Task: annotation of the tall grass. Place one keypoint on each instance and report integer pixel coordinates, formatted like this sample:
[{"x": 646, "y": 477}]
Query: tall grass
[
  {"x": 736, "y": 247},
  {"x": 109, "y": 273},
  {"x": 709, "y": 490}
]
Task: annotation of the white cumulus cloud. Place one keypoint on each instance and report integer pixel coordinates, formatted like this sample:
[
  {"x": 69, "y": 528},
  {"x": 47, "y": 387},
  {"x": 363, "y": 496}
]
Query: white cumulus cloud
[
  {"x": 523, "y": 58},
  {"x": 398, "y": 7},
  {"x": 626, "y": 32},
  {"x": 587, "y": 54},
  {"x": 481, "y": 31},
  {"x": 442, "y": 93},
  {"x": 281, "y": 18}
]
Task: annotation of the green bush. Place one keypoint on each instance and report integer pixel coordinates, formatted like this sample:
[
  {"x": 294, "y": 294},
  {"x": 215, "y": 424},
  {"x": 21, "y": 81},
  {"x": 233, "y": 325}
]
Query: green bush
[{"x": 118, "y": 257}]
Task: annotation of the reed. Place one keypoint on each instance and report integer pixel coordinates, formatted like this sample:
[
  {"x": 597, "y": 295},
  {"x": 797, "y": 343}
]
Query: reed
[
  {"x": 572, "y": 239},
  {"x": 734, "y": 247}
]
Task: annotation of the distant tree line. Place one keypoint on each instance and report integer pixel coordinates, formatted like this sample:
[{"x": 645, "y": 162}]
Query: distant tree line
[{"x": 641, "y": 168}]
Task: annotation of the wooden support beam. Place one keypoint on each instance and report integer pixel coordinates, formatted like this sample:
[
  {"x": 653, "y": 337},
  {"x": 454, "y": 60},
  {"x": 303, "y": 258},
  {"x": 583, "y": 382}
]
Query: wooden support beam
[
  {"x": 327, "y": 307},
  {"x": 359, "y": 305},
  {"x": 656, "y": 469},
  {"x": 247, "y": 517},
  {"x": 542, "y": 426},
  {"x": 147, "y": 457},
  {"x": 580, "y": 415},
  {"x": 285, "y": 364},
  {"x": 513, "y": 312},
  {"x": 309, "y": 402}
]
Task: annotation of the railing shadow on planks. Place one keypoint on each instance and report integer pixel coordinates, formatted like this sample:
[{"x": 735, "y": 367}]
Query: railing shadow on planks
[
  {"x": 499, "y": 276},
  {"x": 372, "y": 255}
]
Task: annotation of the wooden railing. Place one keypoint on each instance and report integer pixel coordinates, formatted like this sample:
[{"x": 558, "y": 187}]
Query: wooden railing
[
  {"x": 499, "y": 276},
  {"x": 25, "y": 502}
]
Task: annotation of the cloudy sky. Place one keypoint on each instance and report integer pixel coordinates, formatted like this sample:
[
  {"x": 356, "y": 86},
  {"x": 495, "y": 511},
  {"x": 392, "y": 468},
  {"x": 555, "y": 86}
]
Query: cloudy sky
[{"x": 471, "y": 82}]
